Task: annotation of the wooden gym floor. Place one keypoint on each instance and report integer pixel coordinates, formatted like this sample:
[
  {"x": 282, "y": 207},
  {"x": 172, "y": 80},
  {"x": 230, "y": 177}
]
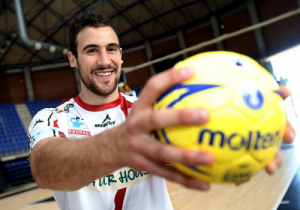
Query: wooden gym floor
[{"x": 262, "y": 192}]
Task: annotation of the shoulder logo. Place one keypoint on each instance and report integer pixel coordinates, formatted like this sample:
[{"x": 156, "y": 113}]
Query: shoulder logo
[
  {"x": 107, "y": 121},
  {"x": 55, "y": 123},
  {"x": 38, "y": 121},
  {"x": 58, "y": 110},
  {"x": 67, "y": 107}
]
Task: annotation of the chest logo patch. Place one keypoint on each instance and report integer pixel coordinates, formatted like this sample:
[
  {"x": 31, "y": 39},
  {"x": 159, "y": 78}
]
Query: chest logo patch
[
  {"x": 107, "y": 121},
  {"x": 76, "y": 122}
]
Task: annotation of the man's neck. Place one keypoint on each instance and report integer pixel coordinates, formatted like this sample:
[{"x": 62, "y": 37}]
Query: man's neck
[{"x": 91, "y": 98}]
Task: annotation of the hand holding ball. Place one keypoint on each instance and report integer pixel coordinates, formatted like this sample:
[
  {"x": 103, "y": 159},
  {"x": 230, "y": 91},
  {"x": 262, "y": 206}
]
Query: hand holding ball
[{"x": 247, "y": 116}]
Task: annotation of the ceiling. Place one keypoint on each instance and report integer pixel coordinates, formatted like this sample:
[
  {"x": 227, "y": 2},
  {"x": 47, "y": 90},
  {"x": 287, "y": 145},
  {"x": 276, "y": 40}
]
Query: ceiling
[{"x": 137, "y": 21}]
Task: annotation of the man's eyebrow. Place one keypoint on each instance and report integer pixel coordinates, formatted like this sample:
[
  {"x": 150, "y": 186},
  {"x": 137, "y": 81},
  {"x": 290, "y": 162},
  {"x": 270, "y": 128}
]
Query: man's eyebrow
[
  {"x": 114, "y": 44},
  {"x": 88, "y": 46}
]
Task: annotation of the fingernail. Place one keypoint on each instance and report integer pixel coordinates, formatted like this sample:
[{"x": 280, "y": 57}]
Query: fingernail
[
  {"x": 186, "y": 72},
  {"x": 201, "y": 116},
  {"x": 204, "y": 159},
  {"x": 201, "y": 186},
  {"x": 292, "y": 134},
  {"x": 274, "y": 167}
]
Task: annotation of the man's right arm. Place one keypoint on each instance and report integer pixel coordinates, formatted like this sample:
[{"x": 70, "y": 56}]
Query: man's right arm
[{"x": 63, "y": 164}]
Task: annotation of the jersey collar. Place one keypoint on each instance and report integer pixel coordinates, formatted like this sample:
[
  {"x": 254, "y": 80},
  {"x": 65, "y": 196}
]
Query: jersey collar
[{"x": 96, "y": 108}]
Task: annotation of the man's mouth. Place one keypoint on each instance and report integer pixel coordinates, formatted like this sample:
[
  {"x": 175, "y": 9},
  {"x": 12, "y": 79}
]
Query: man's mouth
[{"x": 104, "y": 74}]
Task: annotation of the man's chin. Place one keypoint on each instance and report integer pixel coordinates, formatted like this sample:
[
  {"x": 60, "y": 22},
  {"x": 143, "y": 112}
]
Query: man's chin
[{"x": 103, "y": 91}]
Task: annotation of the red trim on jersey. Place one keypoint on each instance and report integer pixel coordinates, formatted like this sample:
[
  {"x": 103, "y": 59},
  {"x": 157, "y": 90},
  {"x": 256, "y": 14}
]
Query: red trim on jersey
[
  {"x": 125, "y": 105},
  {"x": 96, "y": 108},
  {"x": 61, "y": 134},
  {"x": 119, "y": 199}
]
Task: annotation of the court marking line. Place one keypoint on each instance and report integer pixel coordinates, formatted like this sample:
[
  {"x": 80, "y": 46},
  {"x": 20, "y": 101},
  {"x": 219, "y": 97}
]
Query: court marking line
[
  {"x": 285, "y": 189},
  {"x": 285, "y": 202},
  {"x": 38, "y": 204},
  {"x": 178, "y": 192},
  {"x": 16, "y": 193},
  {"x": 50, "y": 199}
]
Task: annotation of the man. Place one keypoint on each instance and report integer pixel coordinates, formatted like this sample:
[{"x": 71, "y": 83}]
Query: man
[{"x": 115, "y": 163}]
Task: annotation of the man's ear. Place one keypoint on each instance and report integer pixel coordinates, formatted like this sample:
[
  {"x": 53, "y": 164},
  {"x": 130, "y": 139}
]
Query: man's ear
[
  {"x": 72, "y": 59},
  {"x": 121, "y": 54}
]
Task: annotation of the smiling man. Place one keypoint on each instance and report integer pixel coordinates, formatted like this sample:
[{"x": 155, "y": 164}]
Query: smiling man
[
  {"x": 91, "y": 152},
  {"x": 112, "y": 165},
  {"x": 99, "y": 60}
]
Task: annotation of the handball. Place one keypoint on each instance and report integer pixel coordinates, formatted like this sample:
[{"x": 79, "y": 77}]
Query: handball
[{"x": 247, "y": 116}]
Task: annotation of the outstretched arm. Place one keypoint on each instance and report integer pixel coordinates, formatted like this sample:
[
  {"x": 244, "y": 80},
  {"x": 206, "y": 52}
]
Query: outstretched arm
[{"x": 60, "y": 164}]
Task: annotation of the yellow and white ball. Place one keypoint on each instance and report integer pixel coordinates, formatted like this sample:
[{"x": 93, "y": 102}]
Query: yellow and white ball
[{"x": 247, "y": 116}]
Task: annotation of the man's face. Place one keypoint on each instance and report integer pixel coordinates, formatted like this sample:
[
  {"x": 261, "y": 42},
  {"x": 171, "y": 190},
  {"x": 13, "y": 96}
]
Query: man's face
[{"x": 99, "y": 59}]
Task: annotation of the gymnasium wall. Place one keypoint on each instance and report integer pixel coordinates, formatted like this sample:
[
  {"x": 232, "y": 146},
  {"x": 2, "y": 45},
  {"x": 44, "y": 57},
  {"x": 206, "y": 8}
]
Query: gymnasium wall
[
  {"x": 136, "y": 79},
  {"x": 54, "y": 84},
  {"x": 282, "y": 34},
  {"x": 59, "y": 83},
  {"x": 202, "y": 34},
  {"x": 164, "y": 46},
  {"x": 12, "y": 88},
  {"x": 244, "y": 43}
]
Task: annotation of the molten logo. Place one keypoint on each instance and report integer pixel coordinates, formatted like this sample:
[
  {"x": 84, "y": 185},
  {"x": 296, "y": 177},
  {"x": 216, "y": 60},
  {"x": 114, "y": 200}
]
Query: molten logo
[{"x": 236, "y": 141}]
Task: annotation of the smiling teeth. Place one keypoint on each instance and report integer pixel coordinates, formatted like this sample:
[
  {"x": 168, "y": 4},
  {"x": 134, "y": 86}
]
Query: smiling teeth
[{"x": 104, "y": 74}]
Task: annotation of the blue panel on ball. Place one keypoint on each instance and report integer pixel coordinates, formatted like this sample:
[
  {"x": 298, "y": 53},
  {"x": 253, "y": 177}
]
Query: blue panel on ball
[{"x": 191, "y": 89}]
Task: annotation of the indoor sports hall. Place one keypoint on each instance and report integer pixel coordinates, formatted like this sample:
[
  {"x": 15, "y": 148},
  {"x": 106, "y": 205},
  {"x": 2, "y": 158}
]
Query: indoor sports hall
[{"x": 154, "y": 35}]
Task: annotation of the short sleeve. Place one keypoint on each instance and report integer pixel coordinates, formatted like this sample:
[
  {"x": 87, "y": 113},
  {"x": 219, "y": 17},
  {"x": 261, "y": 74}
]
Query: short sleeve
[{"x": 43, "y": 125}]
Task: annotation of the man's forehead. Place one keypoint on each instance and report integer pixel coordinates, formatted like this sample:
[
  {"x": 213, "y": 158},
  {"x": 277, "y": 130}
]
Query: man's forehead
[{"x": 99, "y": 35}]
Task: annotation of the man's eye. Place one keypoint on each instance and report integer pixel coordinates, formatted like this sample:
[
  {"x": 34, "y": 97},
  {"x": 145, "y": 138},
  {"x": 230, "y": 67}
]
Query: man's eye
[
  {"x": 112, "y": 49},
  {"x": 91, "y": 51}
]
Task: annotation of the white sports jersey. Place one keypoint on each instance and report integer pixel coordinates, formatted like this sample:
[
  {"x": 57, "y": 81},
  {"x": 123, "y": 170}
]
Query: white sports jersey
[{"x": 123, "y": 189}]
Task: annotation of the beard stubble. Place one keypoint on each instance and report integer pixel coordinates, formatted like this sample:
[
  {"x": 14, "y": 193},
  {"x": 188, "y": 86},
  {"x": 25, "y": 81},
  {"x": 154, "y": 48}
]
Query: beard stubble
[{"x": 91, "y": 85}]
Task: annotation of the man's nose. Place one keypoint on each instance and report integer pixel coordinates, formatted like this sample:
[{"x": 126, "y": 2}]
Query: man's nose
[{"x": 103, "y": 59}]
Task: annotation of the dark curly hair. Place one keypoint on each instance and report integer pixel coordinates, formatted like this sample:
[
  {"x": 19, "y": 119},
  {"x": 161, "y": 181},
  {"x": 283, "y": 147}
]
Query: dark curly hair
[{"x": 88, "y": 19}]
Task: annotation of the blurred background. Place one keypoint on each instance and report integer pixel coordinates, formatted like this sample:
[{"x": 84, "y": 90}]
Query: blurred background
[{"x": 35, "y": 73}]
